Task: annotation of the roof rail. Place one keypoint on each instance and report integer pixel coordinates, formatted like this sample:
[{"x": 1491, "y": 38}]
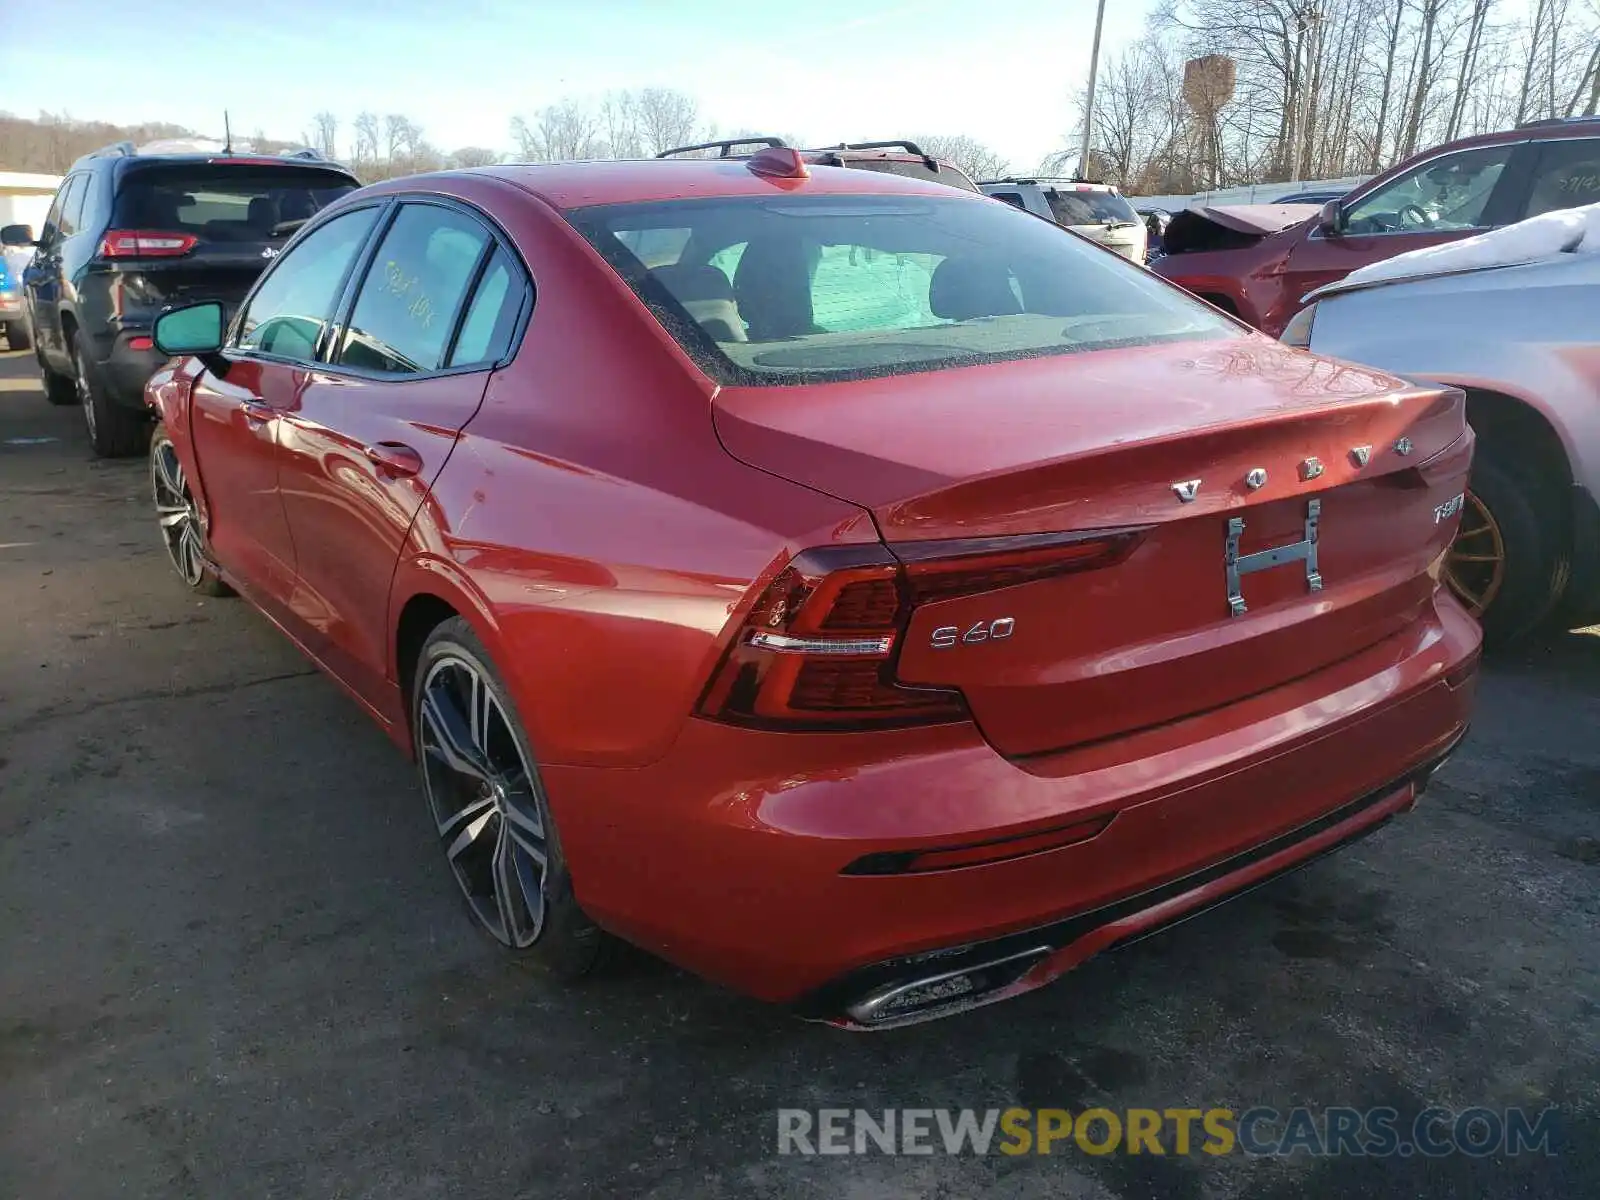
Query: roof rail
[
  {"x": 908, "y": 147},
  {"x": 306, "y": 152},
  {"x": 1547, "y": 121},
  {"x": 115, "y": 150},
  {"x": 726, "y": 146}
]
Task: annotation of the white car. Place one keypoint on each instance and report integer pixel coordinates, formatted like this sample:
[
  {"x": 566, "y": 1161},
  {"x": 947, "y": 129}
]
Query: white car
[
  {"x": 1096, "y": 210},
  {"x": 1512, "y": 317}
]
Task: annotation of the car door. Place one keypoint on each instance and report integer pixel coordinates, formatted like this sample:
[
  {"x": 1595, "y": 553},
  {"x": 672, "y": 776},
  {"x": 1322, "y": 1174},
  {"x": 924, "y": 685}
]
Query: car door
[
  {"x": 41, "y": 279},
  {"x": 235, "y": 419},
  {"x": 428, "y": 319},
  {"x": 1441, "y": 199}
]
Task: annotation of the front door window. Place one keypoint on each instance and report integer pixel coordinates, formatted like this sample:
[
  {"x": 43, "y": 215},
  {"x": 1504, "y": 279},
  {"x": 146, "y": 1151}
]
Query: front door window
[
  {"x": 1442, "y": 195},
  {"x": 288, "y": 314}
]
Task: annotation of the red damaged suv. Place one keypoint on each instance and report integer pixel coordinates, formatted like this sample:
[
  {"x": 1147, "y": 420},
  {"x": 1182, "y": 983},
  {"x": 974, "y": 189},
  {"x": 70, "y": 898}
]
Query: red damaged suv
[
  {"x": 1260, "y": 261},
  {"x": 879, "y": 603}
]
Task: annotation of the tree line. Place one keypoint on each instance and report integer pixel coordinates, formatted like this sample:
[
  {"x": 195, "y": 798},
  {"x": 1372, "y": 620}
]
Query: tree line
[
  {"x": 1330, "y": 88},
  {"x": 620, "y": 124}
]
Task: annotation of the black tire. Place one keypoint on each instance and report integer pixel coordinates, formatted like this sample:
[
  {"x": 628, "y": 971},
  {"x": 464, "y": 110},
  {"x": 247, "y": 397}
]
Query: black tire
[
  {"x": 114, "y": 431},
  {"x": 1535, "y": 562},
  {"x": 17, "y": 336},
  {"x": 468, "y": 815},
  {"x": 179, "y": 520},
  {"x": 60, "y": 390}
]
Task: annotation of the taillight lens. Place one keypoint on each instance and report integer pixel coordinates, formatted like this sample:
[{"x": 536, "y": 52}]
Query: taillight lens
[
  {"x": 145, "y": 243},
  {"x": 817, "y": 649}
]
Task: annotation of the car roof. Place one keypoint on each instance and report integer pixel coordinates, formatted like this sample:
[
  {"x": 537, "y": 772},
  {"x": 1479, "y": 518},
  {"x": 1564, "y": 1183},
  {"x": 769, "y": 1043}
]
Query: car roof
[
  {"x": 570, "y": 185},
  {"x": 1531, "y": 131},
  {"x": 121, "y": 155}
]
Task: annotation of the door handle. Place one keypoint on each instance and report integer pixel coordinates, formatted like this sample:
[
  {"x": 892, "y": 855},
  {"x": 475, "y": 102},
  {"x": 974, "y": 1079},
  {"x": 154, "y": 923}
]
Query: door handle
[
  {"x": 255, "y": 412},
  {"x": 395, "y": 459}
]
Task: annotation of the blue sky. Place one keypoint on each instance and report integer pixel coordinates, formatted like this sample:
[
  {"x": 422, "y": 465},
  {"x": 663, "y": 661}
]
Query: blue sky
[{"x": 824, "y": 70}]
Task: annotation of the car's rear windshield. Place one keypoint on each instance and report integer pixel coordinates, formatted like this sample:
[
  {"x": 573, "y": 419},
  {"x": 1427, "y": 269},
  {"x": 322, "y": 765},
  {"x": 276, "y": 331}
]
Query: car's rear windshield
[
  {"x": 1071, "y": 207},
  {"x": 219, "y": 203},
  {"x": 784, "y": 290}
]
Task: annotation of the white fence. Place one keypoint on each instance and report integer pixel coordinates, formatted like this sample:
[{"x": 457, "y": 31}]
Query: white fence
[{"x": 1257, "y": 193}]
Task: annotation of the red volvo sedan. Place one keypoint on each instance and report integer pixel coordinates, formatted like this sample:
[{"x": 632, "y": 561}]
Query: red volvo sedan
[{"x": 862, "y": 593}]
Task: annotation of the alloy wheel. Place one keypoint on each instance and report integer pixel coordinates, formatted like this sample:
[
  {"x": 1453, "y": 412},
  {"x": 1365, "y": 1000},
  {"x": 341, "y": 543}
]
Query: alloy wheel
[
  {"x": 85, "y": 393},
  {"x": 484, "y": 800},
  {"x": 175, "y": 509},
  {"x": 1475, "y": 568}
]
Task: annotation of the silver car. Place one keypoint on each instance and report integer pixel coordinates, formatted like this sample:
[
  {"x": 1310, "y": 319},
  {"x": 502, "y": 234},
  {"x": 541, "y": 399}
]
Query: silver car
[
  {"x": 1096, "y": 211},
  {"x": 1522, "y": 339}
]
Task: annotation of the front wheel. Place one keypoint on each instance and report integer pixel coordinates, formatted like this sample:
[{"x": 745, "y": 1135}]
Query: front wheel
[
  {"x": 179, "y": 519},
  {"x": 489, "y": 808},
  {"x": 1506, "y": 563},
  {"x": 17, "y": 336},
  {"x": 60, "y": 390}
]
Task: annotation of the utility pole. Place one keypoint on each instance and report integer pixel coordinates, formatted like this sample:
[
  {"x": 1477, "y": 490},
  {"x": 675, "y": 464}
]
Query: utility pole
[{"x": 1088, "y": 108}]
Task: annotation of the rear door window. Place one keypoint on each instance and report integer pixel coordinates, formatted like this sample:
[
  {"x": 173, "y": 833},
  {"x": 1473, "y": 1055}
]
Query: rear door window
[
  {"x": 224, "y": 205},
  {"x": 71, "y": 219},
  {"x": 413, "y": 291},
  {"x": 1567, "y": 176},
  {"x": 491, "y": 320}
]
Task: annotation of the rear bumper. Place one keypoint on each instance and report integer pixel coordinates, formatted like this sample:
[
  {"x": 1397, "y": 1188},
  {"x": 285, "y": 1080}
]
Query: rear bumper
[
  {"x": 124, "y": 370},
  {"x": 1008, "y": 966},
  {"x": 737, "y": 854}
]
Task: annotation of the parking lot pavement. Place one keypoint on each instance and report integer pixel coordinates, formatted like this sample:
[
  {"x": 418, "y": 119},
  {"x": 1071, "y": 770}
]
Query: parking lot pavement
[{"x": 230, "y": 964}]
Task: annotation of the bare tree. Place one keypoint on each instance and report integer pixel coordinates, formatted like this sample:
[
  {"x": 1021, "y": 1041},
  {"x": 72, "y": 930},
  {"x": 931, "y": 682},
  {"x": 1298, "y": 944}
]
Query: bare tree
[
  {"x": 472, "y": 156},
  {"x": 368, "y": 132},
  {"x": 971, "y": 155},
  {"x": 666, "y": 118},
  {"x": 619, "y": 125},
  {"x": 1334, "y": 87},
  {"x": 327, "y": 130},
  {"x": 558, "y": 132}
]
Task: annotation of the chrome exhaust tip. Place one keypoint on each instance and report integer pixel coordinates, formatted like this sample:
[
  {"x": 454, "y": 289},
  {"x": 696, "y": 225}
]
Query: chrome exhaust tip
[{"x": 929, "y": 996}]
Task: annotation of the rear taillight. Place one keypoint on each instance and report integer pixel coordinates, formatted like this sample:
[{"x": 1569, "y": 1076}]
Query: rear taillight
[
  {"x": 145, "y": 243},
  {"x": 817, "y": 649}
]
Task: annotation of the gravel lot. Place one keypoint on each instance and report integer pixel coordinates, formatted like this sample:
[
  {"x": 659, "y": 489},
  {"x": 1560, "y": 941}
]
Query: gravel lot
[{"x": 231, "y": 965}]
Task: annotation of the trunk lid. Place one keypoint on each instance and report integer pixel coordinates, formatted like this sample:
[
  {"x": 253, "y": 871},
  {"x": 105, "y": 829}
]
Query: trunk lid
[
  {"x": 1228, "y": 227},
  {"x": 1107, "y": 441}
]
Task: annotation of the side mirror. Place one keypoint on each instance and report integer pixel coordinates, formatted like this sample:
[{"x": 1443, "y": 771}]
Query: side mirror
[
  {"x": 17, "y": 235},
  {"x": 1331, "y": 219},
  {"x": 196, "y": 329}
]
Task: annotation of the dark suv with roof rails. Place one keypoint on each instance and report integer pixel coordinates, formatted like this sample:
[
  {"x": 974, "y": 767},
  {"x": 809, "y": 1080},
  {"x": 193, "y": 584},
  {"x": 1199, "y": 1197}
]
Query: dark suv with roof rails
[
  {"x": 132, "y": 233},
  {"x": 892, "y": 157}
]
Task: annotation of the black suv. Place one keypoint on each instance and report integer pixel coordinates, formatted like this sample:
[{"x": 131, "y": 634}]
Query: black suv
[{"x": 130, "y": 234}]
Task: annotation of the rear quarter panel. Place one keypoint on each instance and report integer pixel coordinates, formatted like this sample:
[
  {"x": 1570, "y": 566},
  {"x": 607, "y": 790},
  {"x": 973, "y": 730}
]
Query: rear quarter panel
[
  {"x": 589, "y": 525},
  {"x": 1249, "y": 277}
]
